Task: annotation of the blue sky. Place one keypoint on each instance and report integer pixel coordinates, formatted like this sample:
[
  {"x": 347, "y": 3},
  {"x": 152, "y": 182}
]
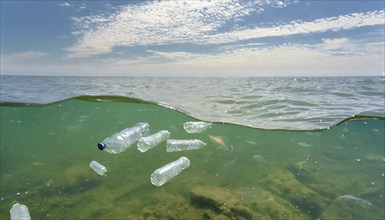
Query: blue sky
[{"x": 193, "y": 38}]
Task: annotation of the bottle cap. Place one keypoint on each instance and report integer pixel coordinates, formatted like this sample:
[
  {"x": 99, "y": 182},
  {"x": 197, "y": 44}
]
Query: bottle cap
[{"x": 101, "y": 145}]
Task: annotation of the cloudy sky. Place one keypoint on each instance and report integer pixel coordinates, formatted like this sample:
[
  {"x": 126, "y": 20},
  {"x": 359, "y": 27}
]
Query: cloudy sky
[{"x": 193, "y": 38}]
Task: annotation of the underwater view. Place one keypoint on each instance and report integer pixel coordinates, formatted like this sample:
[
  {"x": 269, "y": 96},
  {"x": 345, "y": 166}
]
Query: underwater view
[{"x": 242, "y": 172}]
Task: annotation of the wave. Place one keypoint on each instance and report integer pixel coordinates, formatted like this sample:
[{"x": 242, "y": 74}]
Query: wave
[
  {"x": 107, "y": 98},
  {"x": 269, "y": 103}
]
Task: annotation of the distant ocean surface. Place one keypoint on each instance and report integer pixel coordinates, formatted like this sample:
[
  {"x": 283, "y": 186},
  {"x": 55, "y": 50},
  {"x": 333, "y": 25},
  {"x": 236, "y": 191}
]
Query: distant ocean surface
[{"x": 294, "y": 103}]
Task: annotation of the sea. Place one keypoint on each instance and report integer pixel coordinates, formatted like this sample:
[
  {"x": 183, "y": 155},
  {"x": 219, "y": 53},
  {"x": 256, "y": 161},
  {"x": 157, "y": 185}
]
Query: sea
[{"x": 277, "y": 147}]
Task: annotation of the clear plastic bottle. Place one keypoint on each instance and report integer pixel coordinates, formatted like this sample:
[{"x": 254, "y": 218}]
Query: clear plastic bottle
[
  {"x": 19, "y": 212},
  {"x": 162, "y": 175},
  {"x": 146, "y": 143},
  {"x": 179, "y": 145},
  {"x": 122, "y": 140},
  {"x": 196, "y": 126},
  {"x": 98, "y": 168}
]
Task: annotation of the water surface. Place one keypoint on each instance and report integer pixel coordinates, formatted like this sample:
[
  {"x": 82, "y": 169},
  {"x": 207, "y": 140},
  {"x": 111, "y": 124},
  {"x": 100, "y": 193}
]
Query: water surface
[{"x": 303, "y": 103}]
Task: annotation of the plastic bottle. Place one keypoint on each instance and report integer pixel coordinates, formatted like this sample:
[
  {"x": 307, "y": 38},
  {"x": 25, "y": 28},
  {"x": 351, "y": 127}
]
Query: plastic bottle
[
  {"x": 179, "y": 145},
  {"x": 146, "y": 143},
  {"x": 98, "y": 168},
  {"x": 19, "y": 212},
  {"x": 122, "y": 140},
  {"x": 162, "y": 175},
  {"x": 196, "y": 126}
]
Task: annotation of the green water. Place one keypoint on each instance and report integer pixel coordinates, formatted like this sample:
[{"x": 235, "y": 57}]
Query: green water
[{"x": 269, "y": 174}]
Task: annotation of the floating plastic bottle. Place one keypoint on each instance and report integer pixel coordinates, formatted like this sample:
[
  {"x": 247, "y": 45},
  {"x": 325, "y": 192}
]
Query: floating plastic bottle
[
  {"x": 98, "y": 168},
  {"x": 146, "y": 143},
  {"x": 19, "y": 212},
  {"x": 162, "y": 175},
  {"x": 122, "y": 140},
  {"x": 179, "y": 145},
  {"x": 196, "y": 126},
  {"x": 361, "y": 202}
]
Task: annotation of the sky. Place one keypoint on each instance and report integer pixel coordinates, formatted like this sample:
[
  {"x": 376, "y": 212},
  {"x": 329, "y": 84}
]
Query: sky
[{"x": 193, "y": 38}]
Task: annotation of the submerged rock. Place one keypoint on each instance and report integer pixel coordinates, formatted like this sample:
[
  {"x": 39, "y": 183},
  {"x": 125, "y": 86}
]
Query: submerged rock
[
  {"x": 338, "y": 209},
  {"x": 242, "y": 203},
  {"x": 274, "y": 207},
  {"x": 351, "y": 207},
  {"x": 285, "y": 184},
  {"x": 222, "y": 203},
  {"x": 168, "y": 206},
  {"x": 307, "y": 174}
]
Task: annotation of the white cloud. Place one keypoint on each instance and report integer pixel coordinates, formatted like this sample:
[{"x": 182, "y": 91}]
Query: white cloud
[
  {"x": 194, "y": 22},
  {"x": 156, "y": 23},
  {"x": 343, "y": 22},
  {"x": 65, "y": 4},
  {"x": 346, "y": 47},
  {"x": 283, "y": 60},
  {"x": 22, "y": 56},
  {"x": 173, "y": 56},
  {"x": 331, "y": 44}
]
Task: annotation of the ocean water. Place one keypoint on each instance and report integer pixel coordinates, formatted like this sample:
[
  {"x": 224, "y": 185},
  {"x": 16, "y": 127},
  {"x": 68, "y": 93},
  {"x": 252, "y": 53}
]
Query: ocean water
[
  {"x": 279, "y": 148},
  {"x": 305, "y": 103}
]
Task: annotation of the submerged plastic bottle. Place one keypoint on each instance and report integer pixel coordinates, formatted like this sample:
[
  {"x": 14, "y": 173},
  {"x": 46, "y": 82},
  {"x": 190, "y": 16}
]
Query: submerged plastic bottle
[
  {"x": 98, "y": 168},
  {"x": 162, "y": 175},
  {"x": 179, "y": 145},
  {"x": 122, "y": 140},
  {"x": 146, "y": 143},
  {"x": 196, "y": 126},
  {"x": 19, "y": 212}
]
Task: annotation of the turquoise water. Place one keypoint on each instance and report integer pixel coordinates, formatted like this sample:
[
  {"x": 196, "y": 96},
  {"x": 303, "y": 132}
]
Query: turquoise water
[{"x": 258, "y": 173}]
